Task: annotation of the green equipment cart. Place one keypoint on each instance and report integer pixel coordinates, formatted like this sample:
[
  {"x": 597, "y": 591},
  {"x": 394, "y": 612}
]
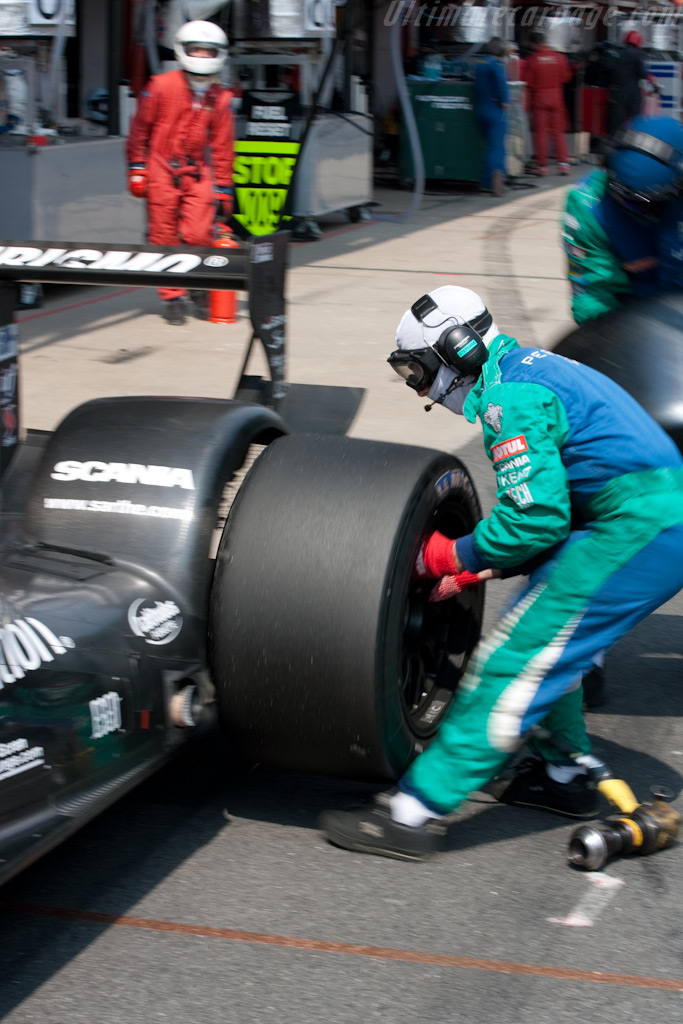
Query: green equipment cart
[{"x": 452, "y": 145}]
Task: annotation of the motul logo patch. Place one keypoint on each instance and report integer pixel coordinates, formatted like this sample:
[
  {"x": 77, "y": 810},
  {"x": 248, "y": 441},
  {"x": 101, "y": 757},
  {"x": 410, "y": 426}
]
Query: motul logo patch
[
  {"x": 26, "y": 645},
  {"x": 505, "y": 449}
]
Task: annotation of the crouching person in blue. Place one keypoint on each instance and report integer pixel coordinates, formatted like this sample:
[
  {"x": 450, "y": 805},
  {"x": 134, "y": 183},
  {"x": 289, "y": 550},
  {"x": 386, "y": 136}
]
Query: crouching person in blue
[
  {"x": 565, "y": 441},
  {"x": 623, "y": 225}
]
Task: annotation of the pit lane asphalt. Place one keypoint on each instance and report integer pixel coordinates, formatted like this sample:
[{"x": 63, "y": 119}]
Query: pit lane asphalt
[{"x": 207, "y": 895}]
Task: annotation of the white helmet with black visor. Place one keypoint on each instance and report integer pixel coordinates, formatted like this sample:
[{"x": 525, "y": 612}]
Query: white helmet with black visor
[
  {"x": 201, "y": 47},
  {"x": 442, "y": 344}
]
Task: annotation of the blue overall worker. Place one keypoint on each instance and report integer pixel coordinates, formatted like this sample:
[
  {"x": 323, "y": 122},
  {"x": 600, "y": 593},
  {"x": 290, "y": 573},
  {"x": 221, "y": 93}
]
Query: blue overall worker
[
  {"x": 491, "y": 104},
  {"x": 623, "y": 225},
  {"x": 566, "y": 444}
]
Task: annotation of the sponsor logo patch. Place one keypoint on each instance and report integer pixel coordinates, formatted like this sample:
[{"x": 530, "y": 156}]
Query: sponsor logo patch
[
  {"x": 105, "y": 714},
  {"x": 96, "y": 259},
  {"x": 521, "y": 460},
  {"x": 513, "y": 476},
  {"x": 506, "y": 449},
  {"x": 262, "y": 252},
  {"x": 493, "y": 416},
  {"x": 27, "y": 645},
  {"x": 521, "y": 495},
  {"x": 157, "y": 622},
  {"x": 216, "y": 261},
  {"x": 124, "y": 473},
  {"x": 17, "y": 757},
  {"x": 453, "y": 478},
  {"x": 123, "y": 507}
]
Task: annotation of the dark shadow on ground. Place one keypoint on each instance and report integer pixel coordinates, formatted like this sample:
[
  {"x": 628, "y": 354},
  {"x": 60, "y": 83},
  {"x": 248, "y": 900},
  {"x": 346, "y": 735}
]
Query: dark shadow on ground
[
  {"x": 136, "y": 845},
  {"x": 110, "y": 865},
  {"x": 652, "y": 657}
]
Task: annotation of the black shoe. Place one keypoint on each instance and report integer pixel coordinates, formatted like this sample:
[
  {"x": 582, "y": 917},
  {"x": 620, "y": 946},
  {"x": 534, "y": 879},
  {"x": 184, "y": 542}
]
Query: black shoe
[
  {"x": 531, "y": 786},
  {"x": 174, "y": 312},
  {"x": 200, "y": 301},
  {"x": 372, "y": 830},
  {"x": 594, "y": 687}
]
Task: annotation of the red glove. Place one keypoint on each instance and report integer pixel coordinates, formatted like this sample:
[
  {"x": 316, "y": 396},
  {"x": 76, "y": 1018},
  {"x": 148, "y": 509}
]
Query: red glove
[
  {"x": 436, "y": 557},
  {"x": 137, "y": 182},
  {"x": 449, "y": 586}
]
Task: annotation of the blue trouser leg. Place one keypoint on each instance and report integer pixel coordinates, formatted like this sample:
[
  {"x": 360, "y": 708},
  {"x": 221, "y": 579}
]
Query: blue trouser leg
[
  {"x": 497, "y": 144},
  {"x": 529, "y": 670},
  {"x": 492, "y": 126},
  {"x": 486, "y": 169}
]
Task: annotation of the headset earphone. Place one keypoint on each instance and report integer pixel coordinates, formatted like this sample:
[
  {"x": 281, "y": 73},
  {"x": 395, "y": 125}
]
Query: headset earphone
[{"x": 461, "y": 346}]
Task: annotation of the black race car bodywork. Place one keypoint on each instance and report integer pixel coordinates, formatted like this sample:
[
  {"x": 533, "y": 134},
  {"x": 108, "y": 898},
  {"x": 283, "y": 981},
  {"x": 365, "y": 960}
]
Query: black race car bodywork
[
  {"x": 128, "y": 612},
  {"x": 105, "y": 580}
]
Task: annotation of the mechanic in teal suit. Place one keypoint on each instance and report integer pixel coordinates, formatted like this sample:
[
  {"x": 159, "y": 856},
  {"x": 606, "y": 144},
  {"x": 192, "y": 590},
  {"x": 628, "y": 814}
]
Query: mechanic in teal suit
[{"x": 590, "y": 507}]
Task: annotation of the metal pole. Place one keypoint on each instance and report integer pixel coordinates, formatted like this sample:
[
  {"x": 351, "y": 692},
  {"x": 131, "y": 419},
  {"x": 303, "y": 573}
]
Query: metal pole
[{"x": 115, "y": 33}]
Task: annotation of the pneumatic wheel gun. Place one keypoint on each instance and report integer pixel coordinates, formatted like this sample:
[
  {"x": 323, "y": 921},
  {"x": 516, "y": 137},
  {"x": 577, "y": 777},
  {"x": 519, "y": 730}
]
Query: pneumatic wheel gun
[{"x": 635, "y": 829}]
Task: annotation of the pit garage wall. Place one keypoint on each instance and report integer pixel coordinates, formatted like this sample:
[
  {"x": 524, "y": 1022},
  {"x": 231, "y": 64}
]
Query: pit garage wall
[
  {"x": 76, "y": 190},
  {"x": 93, "y": 47},
  {"x": 385, "y": 92}
]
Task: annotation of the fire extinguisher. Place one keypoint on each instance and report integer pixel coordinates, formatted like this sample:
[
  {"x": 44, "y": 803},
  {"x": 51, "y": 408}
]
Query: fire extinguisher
[{"x": 223, "y": 304}]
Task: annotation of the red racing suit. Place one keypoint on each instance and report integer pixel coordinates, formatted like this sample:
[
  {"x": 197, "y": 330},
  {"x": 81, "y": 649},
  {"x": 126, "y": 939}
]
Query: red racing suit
[
  {"x": 185, "y": 143},
  {"x": 546, "y": 74}
]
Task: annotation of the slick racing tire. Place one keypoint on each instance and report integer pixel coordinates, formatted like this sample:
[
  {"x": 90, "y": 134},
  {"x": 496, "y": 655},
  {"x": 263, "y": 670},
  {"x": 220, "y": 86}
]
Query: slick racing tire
[
  {"x": 641, "y": 348},
  {"x": 326, "y": 655}
]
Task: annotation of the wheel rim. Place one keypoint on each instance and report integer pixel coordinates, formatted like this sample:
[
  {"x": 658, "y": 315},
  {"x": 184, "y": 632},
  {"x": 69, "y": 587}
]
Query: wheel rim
[{"x": 437, "y": 637}]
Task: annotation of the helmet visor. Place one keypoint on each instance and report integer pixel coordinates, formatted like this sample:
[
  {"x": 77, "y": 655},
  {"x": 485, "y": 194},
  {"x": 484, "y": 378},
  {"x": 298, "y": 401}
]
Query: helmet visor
[
  {"x": 418, "y": 368},
  {"x": 648, "y": 205},
  {"x": 208, "y": 50}
]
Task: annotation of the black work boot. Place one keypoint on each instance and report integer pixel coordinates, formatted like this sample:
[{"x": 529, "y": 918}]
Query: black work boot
[
  {"x": 174, "y": 312},
  {"x": 371, "y": 829},
  {"x": 200, "y": 301},
  {"x": 529, "y": 785}
]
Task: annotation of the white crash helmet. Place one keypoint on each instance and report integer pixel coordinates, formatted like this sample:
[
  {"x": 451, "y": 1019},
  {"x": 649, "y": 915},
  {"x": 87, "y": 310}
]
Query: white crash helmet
[{"x": 201, "y": 33}]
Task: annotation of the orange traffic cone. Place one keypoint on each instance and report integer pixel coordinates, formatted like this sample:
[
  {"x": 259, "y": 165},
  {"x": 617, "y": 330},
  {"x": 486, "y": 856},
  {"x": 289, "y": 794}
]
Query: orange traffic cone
[{"x": 223, "y": 304}]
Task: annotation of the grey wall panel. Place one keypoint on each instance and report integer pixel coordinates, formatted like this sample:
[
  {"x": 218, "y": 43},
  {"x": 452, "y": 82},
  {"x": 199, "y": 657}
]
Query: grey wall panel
[
  {"x": 16, "y": 214},
  {"x": 77, "y": 191},
  {"x": 336, "y": 166}
]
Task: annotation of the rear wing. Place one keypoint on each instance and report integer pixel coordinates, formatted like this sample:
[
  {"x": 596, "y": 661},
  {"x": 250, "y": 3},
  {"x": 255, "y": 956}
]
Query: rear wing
[{"x": 257, "y": 266}]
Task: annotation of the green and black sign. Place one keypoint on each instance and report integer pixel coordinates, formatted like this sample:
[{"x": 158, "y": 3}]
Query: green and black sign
[
  {"x": 265, "y": 159},
  {"x": 262, "y": 172}
]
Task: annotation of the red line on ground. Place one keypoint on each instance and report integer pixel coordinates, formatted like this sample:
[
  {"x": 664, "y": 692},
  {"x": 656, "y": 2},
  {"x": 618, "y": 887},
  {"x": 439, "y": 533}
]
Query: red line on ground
[
  {"x": 74, "y": 305},
  {"x": 349, "y": 949}
]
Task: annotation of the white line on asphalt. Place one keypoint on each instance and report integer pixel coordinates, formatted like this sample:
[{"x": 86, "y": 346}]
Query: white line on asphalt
[{"x": 590, "y": 906}]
